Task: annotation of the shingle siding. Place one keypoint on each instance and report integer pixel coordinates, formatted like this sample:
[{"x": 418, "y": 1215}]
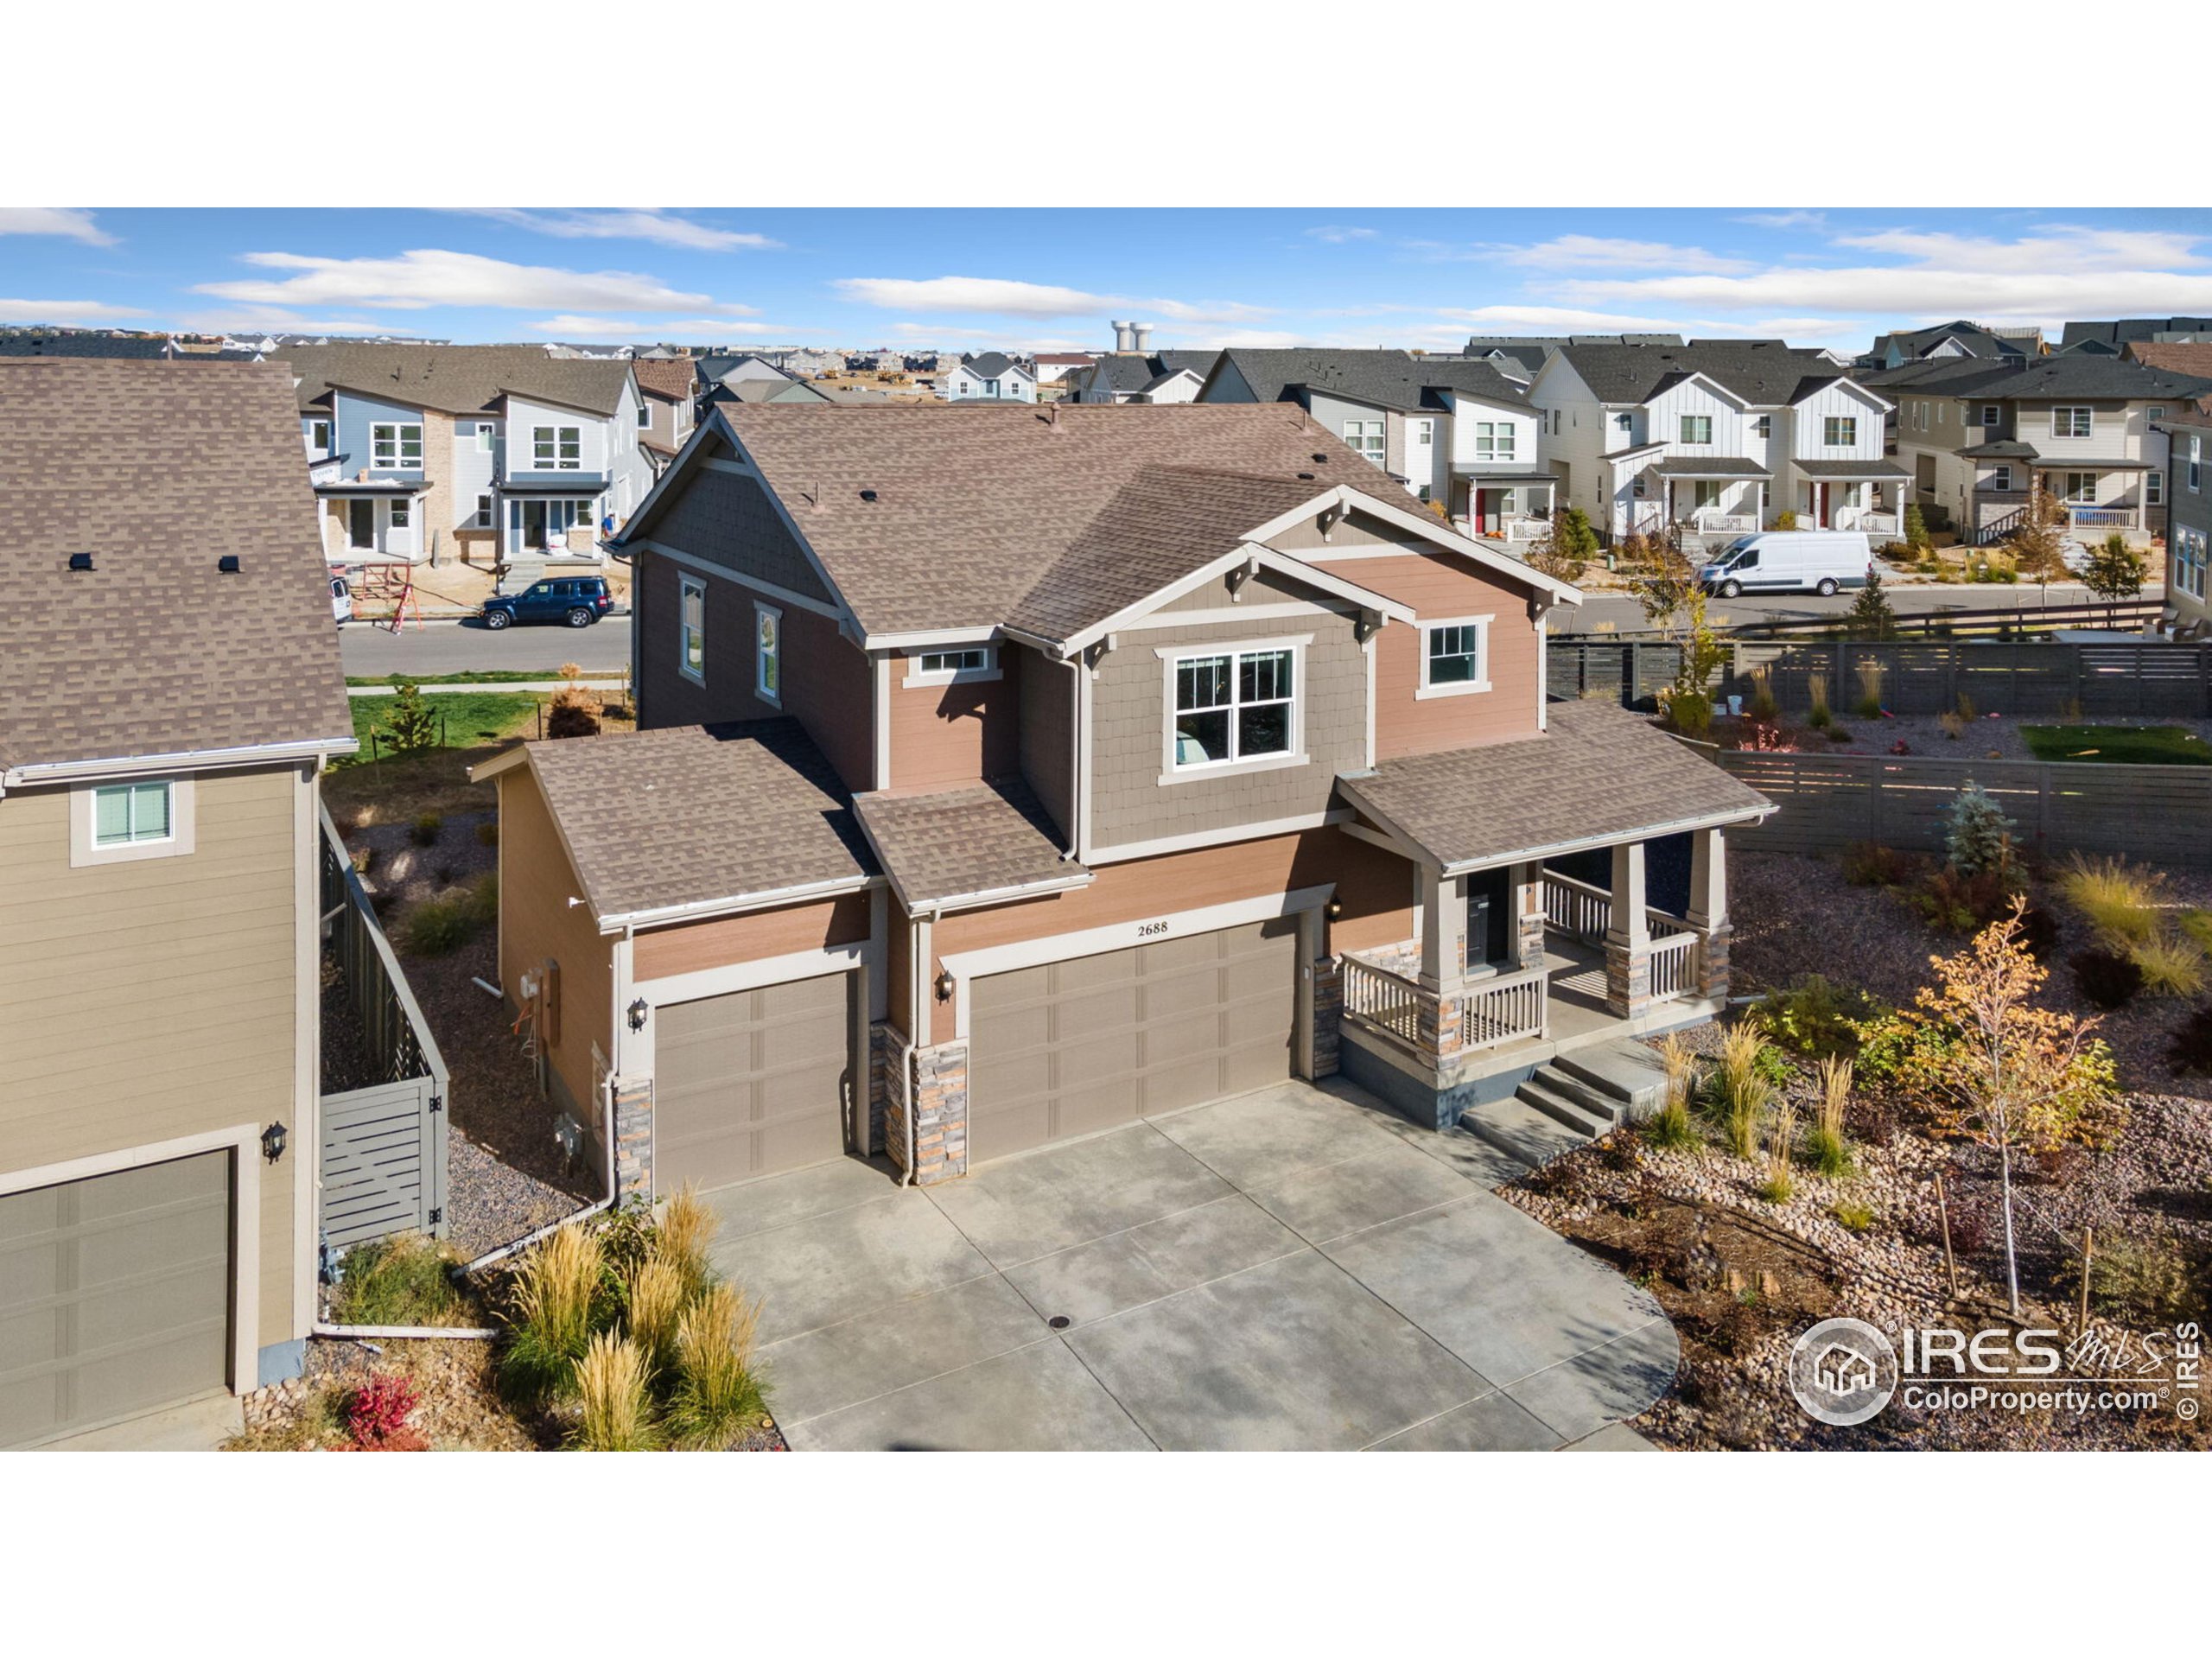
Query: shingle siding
[{"x": 729, "y": 520}]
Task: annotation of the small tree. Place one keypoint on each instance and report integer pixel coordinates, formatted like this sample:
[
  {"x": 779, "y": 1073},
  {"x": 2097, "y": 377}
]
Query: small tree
[
  {"x": 1916, "y": 529},
  {"x": 1689, "y": 702},
  {"x": 2116, "y": 570},
  {"x": 1660, "y": 576},
  {"x": 1997, "y": 1069},
  {"x": 1566, "y": 546},
  {"x": 2038, "y": 547},
  {"x": 1871, "y": 616},
  {"x": 1977, "y": 836},
  {"x": 410, "y": 724}
]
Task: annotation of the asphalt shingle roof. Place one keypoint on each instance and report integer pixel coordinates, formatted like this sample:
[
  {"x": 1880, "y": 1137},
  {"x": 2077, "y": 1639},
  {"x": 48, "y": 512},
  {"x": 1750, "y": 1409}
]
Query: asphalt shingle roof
[
  {"x": 1852, "y": 469},
  {"x": 29, "y": 343},
  {"x": 459, "y": 379},
  {"x": 2074, "y": 375},
  {"x": 1598, "y": 775},
  {"x": 987, "y": 364},
  {"x": 2120, "y": 331},
  {"x": 1710, "y": 467},
  {"x": 690, "y": 815},
  {"x": 671, "y": 378},
  {"x": 1764, "y": 371},
  {"x": 960, "y": 845},
  {"x": 1393, "y": 380},
  {"x": 158, "y": 469},
  {"x": 1135, "y": 372}
]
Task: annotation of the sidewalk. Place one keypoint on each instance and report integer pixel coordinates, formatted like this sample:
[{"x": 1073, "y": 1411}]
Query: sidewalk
[{"x": 597, "y": 681}]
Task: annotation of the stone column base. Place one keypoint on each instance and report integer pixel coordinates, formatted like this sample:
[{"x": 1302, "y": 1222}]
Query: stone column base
[
  {"x": 1328, "y": 1016},
  {"x": 1713, "y": 962},
  {"x": 1628, "y": 979},
  {"x": 634, "y": 1138},
  {"x": 940, "y": 1085}
]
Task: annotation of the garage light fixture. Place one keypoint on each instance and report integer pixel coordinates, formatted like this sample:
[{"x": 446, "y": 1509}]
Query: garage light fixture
[
  {"x": 945, "y": 986},
  {"x": 1336, "y": 908},
  {"x": 272, "y": 1142},
  {"x": 638, "y": 1014}
]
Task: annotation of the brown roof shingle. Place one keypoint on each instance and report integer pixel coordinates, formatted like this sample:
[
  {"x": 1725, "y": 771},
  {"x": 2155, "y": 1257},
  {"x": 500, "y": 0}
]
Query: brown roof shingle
[
  {"x": 1597, "y": 775},
  {"x": 694, "y": 814},
  {"x": 159, "y": 469},
  {"x": 672, "y": 377},
  {"x": 2192, "y": 357},
  {"x": 459, "y": 379},
  {"x": 957, "y": 846}
]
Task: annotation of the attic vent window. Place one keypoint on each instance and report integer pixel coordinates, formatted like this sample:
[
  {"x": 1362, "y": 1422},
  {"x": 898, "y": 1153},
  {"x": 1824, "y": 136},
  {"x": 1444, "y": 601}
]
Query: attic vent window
[
  {"x": 80, "y": 561},
  {"x": 228, "y": 565}
]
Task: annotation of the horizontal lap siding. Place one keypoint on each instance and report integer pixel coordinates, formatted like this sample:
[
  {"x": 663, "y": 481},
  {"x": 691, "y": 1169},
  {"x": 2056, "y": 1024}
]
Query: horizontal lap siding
[
  {"x": 943, "y": 736},
  {"x": 537, "y": 922},
  {"x": 1046, "y": 716},
  {"x": 1436, "y": 587},
  {"x": 695, "y": 946}
]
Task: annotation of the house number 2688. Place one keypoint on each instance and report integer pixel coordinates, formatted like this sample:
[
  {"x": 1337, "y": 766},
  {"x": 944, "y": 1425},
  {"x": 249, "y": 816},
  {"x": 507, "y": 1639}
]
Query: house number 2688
[{"x": 1151, "y": 930}]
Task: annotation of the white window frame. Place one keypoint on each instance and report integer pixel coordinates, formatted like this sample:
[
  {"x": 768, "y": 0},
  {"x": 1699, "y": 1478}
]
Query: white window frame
[
  {"x": 2154, "y": 488},
  {"x": 1763, "y": 427},
  {"x": 486, "y": 512},
  {"x": 2067, "y": 495},
  {"x": 688, "y": 589},
  {"x": 2001, "y": 478},
  {"x": 919, "y": 672},
  {"x": 487, "y": 436},
  {"x": 1358, "y": 437},
  {"x": 1497, "y": 441},
  {"x": 1456, "y": 688},
  {"x": 399, "y": 512},
  {"x": 540, "y": 443},
  {"x": 2156, "y": 412},
  {"x": 395, "y": 446},
  {"x": 1695, "y": 423},
  {"x": 84, "y": 823},
  {"x": 1992, "y": 415},
  {"x": 767, "y": 650},
  {"x": 644, "y": 417},
  {"x": 318, "y": 436},
  {"x": 1839, "y": 431},
  {"x": 1173, "y": 771},
  {"x": 2088, "y": 421},
  {"x": 2196, "y": 464}
]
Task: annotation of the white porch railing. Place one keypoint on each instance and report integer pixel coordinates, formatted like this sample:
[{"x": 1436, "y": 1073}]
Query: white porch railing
[
  {"x": 1711, "y": 521},
  {"x": 1526, "y": 530},
  {"x": 2102, "y": 518},
  {"x": 1670, "y": 964},
  {"x": 1503, "y": 1009},
  {"x": 1386, "y": 1001},
  {"x": 1866, "y": 519}
]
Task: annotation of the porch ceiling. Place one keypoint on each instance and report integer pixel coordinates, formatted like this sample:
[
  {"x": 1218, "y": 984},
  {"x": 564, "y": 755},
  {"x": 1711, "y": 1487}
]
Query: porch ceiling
[
  {"x": 1854, "y": 472},
  {"x": 1726, "y": 466}
]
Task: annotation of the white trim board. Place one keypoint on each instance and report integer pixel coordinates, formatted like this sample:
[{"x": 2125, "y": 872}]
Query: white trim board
[
  {"x": 639, "y": 1048},
  {"x": 698, "y": 566}
]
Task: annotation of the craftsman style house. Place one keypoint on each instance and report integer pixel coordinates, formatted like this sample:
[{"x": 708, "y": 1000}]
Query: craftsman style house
[
  {"x": 494, "y": 452},
  {"x": 1009, "y": 774},
  {"x": 167, "y": 703},
  {"x": 1714, "y": 438}
]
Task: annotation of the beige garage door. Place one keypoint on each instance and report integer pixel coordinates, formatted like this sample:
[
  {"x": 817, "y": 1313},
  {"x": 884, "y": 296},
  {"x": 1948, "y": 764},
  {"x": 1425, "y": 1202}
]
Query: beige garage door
[
  {"x": 115, "y": 1295},
  {"x": 750, "y": 1083},
  {"x": 1075, "y": 1046}
]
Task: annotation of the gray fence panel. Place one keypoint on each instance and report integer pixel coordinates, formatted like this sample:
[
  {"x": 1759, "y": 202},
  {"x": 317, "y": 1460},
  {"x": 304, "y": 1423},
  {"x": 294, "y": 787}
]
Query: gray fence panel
[{"x": 383, "y": 1157}]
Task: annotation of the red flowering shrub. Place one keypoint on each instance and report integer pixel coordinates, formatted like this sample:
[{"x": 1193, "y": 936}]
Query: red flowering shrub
[{"x": 376, "y": 1414}]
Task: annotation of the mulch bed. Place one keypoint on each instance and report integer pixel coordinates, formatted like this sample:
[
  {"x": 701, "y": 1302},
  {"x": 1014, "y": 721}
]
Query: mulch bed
[{"x": 1987, "y": 737}]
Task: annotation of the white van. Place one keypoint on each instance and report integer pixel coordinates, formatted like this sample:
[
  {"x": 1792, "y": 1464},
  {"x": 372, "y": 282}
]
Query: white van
[{"x": 1790, "y": 561}]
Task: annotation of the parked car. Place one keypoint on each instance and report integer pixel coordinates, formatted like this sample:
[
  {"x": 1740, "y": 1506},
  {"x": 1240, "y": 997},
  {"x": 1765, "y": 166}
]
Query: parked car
[
  {"x": 1790, "y": 561},
  {"x": 578, "y": 602},
  {"x": 341, "y": 599}
]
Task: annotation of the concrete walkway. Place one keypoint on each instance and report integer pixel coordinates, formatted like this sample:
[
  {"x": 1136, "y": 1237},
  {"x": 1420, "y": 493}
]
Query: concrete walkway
[{"x": 1294, "y": 1269}]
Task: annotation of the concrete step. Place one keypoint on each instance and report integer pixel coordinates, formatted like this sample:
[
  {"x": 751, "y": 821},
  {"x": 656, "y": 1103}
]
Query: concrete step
[
  {"x": 1623, "y": 1068},
  {"x": 1573, "y": 1114},
  {"x": 1519, "y": 1130},
  {"x": 1595, "y": 1100}
]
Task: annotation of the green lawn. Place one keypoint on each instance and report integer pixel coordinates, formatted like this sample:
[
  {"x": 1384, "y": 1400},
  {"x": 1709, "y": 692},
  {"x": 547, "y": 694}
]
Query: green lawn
[
  {"x": 481, "y": 676},
  {"x": 2126, "y": 746},
  {"x": 472, "y": 719}
]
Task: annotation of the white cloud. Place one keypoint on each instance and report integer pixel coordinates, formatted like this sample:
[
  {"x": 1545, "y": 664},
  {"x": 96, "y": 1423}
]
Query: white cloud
[
  {"x": 65, "y": 312},
  {"x": 572, "y": 327},
  {"x": 1903, "y": 291},
  {"x": 1556, "y": 319},
  {"x": 427, "y": 276},
  {"x": 276, "y": 319},
  {"x": 1616, "y": 253},
  {"x": 1339, "y": 233},
  {"x": 1003, "y": 296},
  {"x": 635, "y": 224},
  {"x": 76, "y": 223},
  {"x": 1794, "y": 219},
  {"x": 2075, "y": 247}
]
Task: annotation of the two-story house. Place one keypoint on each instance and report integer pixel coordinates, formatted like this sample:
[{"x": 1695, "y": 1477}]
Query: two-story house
[
  {"x": 668, "y": 392},
  {"x": 2084, "y": 428},
  {"x": 1714, "y": 438},
  {"x": 2188, "y": 432},
  {"x": 167, "y": 701},
  {"x": 2111, "y": 337},
  {"x": 497, "y": 453},
  {"x": 990, "y": 376},
  {"x": 1955, "y": 339},
  {"x": 1459, "y": 432},
  {"x": 1141, "y": 378},
  {"x": 1008, "y": 775}
]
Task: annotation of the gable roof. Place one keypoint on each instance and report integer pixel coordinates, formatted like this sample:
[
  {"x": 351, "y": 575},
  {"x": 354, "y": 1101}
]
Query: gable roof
[
  {"x": 2121, "y": 330},
  {"x": 2072, "y": 374},
  {"x": 456, "y": 379},
  {"x": 990, "y": 363},
  {"x": 158, "y": 469},
  {"x": 1760, "y": 372},
  {"x": 2192, "y": 358},
  {"x": 674, "y": 379},
  {"x": 1529, "y": 351},
  {"x": 1391, "y": 379},
  {"x": 1141, "y": 371},
  {"x": 25, "y": 342},
  {"x": 1978, "y": 341}
]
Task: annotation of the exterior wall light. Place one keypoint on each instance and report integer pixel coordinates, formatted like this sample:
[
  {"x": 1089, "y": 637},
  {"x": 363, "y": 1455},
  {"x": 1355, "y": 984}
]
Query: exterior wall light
[
  {"x": 638, "y": 1014},
  {"x": 272, "y": 1142},
  {"x": 1336, "y": 908},
  {"x": 945, "y": 986}
]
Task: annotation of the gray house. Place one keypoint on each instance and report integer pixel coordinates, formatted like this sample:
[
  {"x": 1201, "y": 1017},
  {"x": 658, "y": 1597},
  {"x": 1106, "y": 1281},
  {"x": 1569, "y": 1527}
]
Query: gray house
[{"x": 2188, "y": 431}]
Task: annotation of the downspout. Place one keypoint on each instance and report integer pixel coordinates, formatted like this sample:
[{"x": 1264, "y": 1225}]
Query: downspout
[{"x": 1076, "y": 779}]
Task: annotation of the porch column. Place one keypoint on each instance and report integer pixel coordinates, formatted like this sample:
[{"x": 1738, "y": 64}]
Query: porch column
[
  {"x": 1628, "y": 938},
  {"x": 1443, "y": 961},
  {"x": 1709, "y": 910},
  {"x": 1528, "y": 916},
  {"x": 2143, "y": 503}
]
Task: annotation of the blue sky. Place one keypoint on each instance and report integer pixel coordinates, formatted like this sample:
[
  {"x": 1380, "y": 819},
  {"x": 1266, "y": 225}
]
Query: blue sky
[{"x": 1053, "y": 279}]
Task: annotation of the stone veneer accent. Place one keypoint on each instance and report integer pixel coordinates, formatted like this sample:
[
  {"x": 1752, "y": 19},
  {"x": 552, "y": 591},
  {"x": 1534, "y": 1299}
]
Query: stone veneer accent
[
  {"x": 1628, "y": 979},
  {"x": 878, "y": 1083},
  {"x": 634, "y": 1137},
  {"x": 940, "y": 1112},
  {"x": 1328, "y": 1014},
  {"x": 895, "y": 1070},
  {"x": 1713, "y": 962}
]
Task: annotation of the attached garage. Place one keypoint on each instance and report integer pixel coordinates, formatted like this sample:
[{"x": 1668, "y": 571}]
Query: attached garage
[
  {"x": 1072, "y": 1047},
  {"x": 752, "y": 1083},
  {"x": 115, "y": 1295}
]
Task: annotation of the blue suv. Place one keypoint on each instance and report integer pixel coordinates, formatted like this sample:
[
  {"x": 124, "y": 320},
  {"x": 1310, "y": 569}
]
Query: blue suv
[{"x": 579, "y": 601}]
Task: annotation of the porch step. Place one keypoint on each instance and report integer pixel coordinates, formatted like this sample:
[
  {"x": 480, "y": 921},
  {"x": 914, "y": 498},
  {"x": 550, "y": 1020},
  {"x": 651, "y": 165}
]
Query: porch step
[
  {"x": 1623, "y": 1071},
  {"x": 1519, "y": 1130},
  {"x": 1559, "y": 1098}
]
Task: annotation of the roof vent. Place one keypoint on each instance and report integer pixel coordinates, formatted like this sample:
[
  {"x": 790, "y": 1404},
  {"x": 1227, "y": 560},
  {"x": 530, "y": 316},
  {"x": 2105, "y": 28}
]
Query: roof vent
[
  {"x": 867, "y": 495},
  {"x": 1308, "y": 477},
  {"x": 228, "y": 565},
  {"x": 80, "y": 561},
  {"x": 1321, "y": 456}
]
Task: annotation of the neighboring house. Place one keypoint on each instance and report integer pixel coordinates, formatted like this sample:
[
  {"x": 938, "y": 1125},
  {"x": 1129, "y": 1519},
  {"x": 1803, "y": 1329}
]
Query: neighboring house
[
  {"x": 666, "y": 387},
  {"x": 1141, "y": 377},
  {"x": 2108, "y": 339},
  {"x": 725, "y": 370},
  {"x": 1716, "y": 437},
  {"x": 1052, "y": 368},
  {"x": 2188, "y": 431},
  {"x": 1521, "y": 355},
  {"x": 1949, "y": 339},
  {"x": 758, "y": 390},
  {"x": 70, "y": 342},
  {"x": 1459, "y": 432},
  {"x": 498, "y": 452},
  {"x": 1006, "y": 776},
  {"x": 991, "y": 376},
  {"x": 167, "y": 703},
  {"x": 1976, "y": 440}
]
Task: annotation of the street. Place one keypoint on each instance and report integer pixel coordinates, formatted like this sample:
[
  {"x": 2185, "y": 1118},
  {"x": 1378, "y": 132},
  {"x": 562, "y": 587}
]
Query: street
[
  {"x": 457, "y": 647},
  {"x": 1617, "y": 613}
]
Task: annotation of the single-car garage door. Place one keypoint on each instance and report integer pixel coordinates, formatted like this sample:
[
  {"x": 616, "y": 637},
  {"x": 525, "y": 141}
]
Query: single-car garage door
[
  {"x": 115, "y": 1295},
  {"x": 750, "y": 1083},
  {"x": 1075, "y": 1046}
]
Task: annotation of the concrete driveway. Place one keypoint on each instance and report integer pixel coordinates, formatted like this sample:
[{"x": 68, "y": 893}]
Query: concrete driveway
[{"x": 1295, "y": 1269}]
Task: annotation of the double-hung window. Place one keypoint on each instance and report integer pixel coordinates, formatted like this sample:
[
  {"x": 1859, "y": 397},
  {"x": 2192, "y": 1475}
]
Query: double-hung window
[
  {"x": 2189, "y": 560},
  {"x": 1840, "y": 431},
  {"x": 1764, "y": 426},
  {"x": 557, "y": 448},
  {"x": 2001, "y": 478},
  {"x": 318, "y": 436},
  {"x": 2080, "y": 488},
  {"x": 1697, "y": 428},
  {"x": 483, "y": 513},
  {"x": 1493, "y": 440},
  {"x": 402, "y": 512},
  {"x": 1366, "y": 437},
  {"x": 1455, "y": 656},
  {"x": 1234, "y": 706},
  {"x": 2070, "y": 421},
  {"x": 1989, "y": 414},
  {"x": 2196, "y": 463},
  {"x": 2154, "y": 489},
  {"x": 130, "y": 815},
  {"x": 644, "y": 418},
  {"x": 487, "y": 434},
  {"x": 768, "y": 654},
  {"x": 691, "y": 627},
  {"x": 396, "y": 446}
]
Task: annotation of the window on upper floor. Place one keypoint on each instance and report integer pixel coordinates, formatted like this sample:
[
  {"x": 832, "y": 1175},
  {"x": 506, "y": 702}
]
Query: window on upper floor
[
  {"x": 1232, "y": 707},
  {"x": 2156, "y": 412},
  {"x": 487, "y": 436},
  {"x": 557, "y": 448},
  {"x": 2070, "y": 421},
  {"x": 1697, "y": 428},
  {"x": 1554, "y": 422},
  {"x": 1493, "y": 440},
  {"x": 955, "y": 664},
  {"x": 2154, "y": 489},
  {"x": 318, "y": 436},
  {"x": 2196, "y": 463},
  {"x": 1455, "y": 656},
  {"x": 1365, "y": 437},
  {"x": 1991, "y": 415},
  {"x": 1764, "y": 426},
  {"x": 396, "y": 446},
  {"x": 1625, "y": 421},
  {"x": 644, "y": 418},
  {"x": 691, "y": 628},
  {"x": 768, "y": 653},
  {"x": 127, "y": 815},
  {"x": 1840, "y": 429}
]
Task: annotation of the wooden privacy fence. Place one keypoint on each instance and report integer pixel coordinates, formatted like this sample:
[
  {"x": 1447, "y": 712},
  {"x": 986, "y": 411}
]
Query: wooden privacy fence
[
  {"x": 1914, "y": 676},
  {"x": 1826, "y": 802},
  {"x": 384, "y": 1145}
]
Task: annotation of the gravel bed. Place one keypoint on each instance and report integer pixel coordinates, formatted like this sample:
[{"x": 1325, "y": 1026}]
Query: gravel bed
[
  {"x": 346, "y": 1063},
  {"x": 403, "y": 874}
]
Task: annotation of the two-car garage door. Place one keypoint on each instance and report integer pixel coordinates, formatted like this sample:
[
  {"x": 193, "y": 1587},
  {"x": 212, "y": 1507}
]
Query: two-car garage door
[
  {"x": 1072, "y": 1047},
  {"x": 115, "y": 1295},
  {"x": 751, "y": 1083}
]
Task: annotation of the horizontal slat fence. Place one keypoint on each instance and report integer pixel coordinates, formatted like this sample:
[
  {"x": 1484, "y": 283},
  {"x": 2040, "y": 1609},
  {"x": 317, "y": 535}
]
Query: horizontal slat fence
[{"x": 1826, "y": 802}]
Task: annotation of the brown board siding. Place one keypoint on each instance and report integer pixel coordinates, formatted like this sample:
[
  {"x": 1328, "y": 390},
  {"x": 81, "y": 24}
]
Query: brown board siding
[
  {"x": 538, "y": 923},
  {"x": 148, "y": 1001},
  {"x": 1047, "y": 713},
  {"x": 1442, "y": 586},
  {"x": 690, "y": 947},
  {"x": 943, "y": 736},
  {"x": 1374, "y": 885}
]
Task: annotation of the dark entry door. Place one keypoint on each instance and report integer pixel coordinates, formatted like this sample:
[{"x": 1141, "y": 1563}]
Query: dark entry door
[
  {"x": 1489, "y": 894},
  {"x": 361, "y": 524}
]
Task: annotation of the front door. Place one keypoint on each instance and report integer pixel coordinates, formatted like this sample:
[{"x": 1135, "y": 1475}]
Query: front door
[
  {"x": 1489, "y": 905},
  {"x": 361, "y": 526},
  {"x": 533, "y": 524}
]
